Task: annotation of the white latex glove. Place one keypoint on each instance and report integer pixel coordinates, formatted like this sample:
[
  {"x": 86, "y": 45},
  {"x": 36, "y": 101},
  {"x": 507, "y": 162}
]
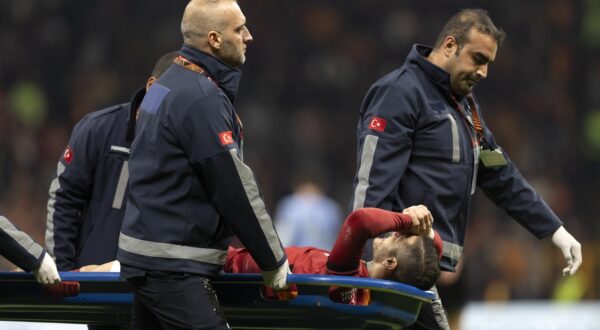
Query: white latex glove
[
  {"x": 47, "y": 273},
  {"x": 277, "y": 279},
  {"x": 571, "y": 250}
]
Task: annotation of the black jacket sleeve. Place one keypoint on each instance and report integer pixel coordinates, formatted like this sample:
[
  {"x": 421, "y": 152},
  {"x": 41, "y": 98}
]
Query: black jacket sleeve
[
  {"x": 385, "y": 133},
  {"x": 237, "y": 197},
  {"x": 70, "y": 193},
  {"x": 18, "y": 247},
  {"x": 508, "y": 189},
  {"x": 209, "y": 138}
]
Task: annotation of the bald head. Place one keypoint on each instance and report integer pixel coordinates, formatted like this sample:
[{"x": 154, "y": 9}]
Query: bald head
[
  {"x": 217, "y": 27},
  {"x": 203, "y": 16}
]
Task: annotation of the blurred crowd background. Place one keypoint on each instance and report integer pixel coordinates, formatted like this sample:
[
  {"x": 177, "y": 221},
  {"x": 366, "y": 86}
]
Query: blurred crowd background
[{"x": 307, "y": 70}]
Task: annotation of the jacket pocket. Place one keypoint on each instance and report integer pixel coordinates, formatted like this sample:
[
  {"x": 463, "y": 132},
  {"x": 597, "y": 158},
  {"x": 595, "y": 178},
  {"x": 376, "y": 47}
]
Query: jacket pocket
[{"x": 438, "y": 136}]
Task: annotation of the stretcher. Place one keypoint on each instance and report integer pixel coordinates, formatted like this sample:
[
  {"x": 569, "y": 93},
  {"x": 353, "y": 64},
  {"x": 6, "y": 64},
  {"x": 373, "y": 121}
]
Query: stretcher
[{"x": 104, "y": 299}]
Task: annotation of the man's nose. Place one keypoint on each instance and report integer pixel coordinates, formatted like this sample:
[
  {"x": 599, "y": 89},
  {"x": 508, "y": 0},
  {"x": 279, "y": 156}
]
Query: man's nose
[
  {"x": 482, "y": 71},
  {"x": 248, "y": 37}
]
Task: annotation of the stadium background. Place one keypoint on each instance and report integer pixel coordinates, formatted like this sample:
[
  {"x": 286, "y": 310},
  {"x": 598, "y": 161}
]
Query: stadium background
[{"x": 309, "y": 66}]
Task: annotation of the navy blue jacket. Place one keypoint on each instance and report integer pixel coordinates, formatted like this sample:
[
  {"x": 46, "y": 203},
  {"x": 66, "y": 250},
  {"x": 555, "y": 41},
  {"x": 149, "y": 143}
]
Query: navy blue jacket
[
  {"x": 415, "y": 147},
  {"x": 18, "y": 247},
  {"x": 87, "y": 197},
  {"x": 190, "y": 190}
]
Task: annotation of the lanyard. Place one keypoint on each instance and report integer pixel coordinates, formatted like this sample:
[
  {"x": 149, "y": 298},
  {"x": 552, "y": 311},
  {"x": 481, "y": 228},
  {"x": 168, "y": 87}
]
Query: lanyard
[
  {"x": 187, "y": 64},
  {"x": 476, "y": 121}
]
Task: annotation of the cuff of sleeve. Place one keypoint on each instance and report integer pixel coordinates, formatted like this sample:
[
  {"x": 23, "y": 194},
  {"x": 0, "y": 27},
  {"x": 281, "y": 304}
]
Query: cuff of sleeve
[
  {"x": 550, "y": 231},
  {"x": 277, "y": 265},
  {"x": 439, "y": 246},
  {"x": 38, "y": 262}
]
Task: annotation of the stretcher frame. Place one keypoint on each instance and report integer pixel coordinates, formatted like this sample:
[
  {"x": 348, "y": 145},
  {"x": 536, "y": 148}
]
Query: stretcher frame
[{"x": 104, "y": 299}]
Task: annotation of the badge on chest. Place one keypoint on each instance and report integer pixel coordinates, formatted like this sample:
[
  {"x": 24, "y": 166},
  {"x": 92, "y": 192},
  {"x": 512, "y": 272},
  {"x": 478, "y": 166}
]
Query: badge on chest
[{"x": 492, "y": 158}]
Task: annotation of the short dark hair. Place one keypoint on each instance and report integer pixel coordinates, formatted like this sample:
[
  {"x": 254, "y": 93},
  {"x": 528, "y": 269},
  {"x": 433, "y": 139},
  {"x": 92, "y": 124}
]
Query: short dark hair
[
  {"x": 460, "y": 24},
  {"x": 420, "y": 265},
  {"x": 163, "y": 64}
]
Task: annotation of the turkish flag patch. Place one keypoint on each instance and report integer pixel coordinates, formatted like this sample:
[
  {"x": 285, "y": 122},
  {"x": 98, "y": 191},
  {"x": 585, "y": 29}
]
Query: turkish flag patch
[
  {"x": 226, "y": 138},
  {"x": 68, "y": 155},
  {"x": 377, "y": 124}
]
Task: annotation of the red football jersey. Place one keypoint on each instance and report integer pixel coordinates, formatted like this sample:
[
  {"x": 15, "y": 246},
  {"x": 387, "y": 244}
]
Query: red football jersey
[
  {"x": 302, "y": 260},
  {"x": 344, "y": 258}
]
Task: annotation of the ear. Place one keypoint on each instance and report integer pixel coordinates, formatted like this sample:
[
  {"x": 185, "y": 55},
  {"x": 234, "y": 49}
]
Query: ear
[
  {"x": 150, "y": 81},
  {"x": 449, "y": 46},
  {"x": 214, "y": 40},
  {"x": 390, "y": 264}
]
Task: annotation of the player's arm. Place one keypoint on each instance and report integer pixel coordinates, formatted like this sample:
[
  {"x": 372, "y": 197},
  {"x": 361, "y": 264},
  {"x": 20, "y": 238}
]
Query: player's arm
[
  {"x": 385, "y": 131},
  {"x": 437, "y": 242},
  {"x": 69, "y": 193},
  {"x": 360, "y": 226}
]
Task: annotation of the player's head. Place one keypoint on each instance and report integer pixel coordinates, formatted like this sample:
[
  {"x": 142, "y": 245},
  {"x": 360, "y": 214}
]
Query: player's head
[
  {"x": 217, "y": 27},
  {"x": 410, "y": 259},
  {"x": 163, "y": 63},
  {"x": 465, "y": 47}
]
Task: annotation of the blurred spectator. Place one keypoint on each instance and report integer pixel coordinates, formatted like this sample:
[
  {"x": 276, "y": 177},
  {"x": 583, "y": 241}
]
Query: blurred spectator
[{"x": 308, "y": 217}]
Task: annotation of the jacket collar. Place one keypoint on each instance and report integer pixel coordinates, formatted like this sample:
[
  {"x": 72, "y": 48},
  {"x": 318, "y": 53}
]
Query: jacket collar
[
  {"x": 418, "y": 56},
  {"x": 227, "y": 77},
  {"x": 134, "y": 104}
]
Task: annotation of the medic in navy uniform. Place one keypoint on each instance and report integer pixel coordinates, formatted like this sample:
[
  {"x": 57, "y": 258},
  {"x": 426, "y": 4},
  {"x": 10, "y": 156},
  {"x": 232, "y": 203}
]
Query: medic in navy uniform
[
  {"x": 88, "y": 196},
  {"x": 190, "y": 190},
  {"x": 422, "y": 140}
]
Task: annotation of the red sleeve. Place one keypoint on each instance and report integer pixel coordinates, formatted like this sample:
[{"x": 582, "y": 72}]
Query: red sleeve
[
  {"x": 360, "y": 226},
  {"x": 437, "y": 241}
]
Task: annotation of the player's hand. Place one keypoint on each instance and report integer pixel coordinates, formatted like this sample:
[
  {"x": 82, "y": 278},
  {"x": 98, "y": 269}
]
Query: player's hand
[
  {"x": 277, "y": 279},
  {"x": 46, "y": 273},
  {"x": 421, "y": 218},
  {"x": 570, "y": 248}
]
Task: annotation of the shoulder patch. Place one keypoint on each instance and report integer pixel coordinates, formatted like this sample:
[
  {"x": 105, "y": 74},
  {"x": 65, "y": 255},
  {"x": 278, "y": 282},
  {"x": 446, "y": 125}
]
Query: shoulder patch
[
  {"x": 377, "y": 124},
  {"x": 68, "y": 155},
  {"x": 226, "y": 138},
  {"x": 154, "y": 98}
]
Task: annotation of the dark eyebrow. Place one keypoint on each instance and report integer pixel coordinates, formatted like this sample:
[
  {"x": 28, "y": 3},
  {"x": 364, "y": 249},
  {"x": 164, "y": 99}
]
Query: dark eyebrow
[{"x": 480, "y": 57}]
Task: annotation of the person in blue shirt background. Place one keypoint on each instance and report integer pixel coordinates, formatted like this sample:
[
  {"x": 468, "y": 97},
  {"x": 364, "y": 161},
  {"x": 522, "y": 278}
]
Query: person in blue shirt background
[{"x": 308, "y": 217}]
